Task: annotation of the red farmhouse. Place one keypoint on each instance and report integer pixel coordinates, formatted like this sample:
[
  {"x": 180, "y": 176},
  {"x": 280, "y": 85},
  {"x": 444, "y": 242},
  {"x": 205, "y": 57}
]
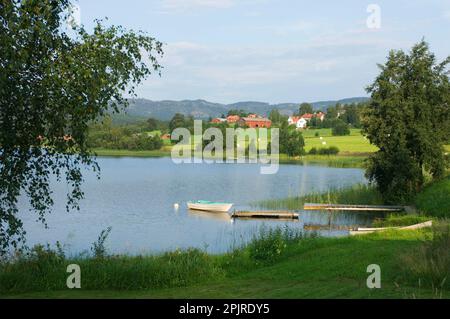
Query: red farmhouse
[{"x": 255, "y": 122}]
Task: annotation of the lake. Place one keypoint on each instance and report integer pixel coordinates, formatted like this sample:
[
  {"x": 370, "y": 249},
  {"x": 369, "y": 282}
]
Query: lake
[{"x": 136, "y": 197}]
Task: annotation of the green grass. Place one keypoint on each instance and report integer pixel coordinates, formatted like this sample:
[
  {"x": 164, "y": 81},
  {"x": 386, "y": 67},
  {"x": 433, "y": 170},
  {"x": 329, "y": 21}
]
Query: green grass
[
  {"x": 435, "y": 199},
  {"x": 349, "y": 145},
  {"x": 358, "y": 194},
  {"x": 306, "y": 268}
]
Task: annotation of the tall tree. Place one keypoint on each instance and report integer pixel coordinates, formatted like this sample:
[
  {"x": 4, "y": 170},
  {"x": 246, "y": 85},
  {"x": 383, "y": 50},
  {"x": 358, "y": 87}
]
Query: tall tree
[
  {"x": 292, "y": 142},
  {"x": 178, "y": 120},
  {"x": 305, "y": 108},
  {"x": 152, "y": 124},
  {"x": 275, "y": 116},
  {"x": 332, "y": 112},
  {"x": 351, "y": 115},
  {"x": 340, "y": 128},
  {"x": 408, "y": 119},
  {"x": 52, "y": 86}
]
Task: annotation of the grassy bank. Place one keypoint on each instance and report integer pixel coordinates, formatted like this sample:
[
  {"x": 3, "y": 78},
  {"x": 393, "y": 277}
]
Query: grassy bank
[{"x": 277, "y": 267}]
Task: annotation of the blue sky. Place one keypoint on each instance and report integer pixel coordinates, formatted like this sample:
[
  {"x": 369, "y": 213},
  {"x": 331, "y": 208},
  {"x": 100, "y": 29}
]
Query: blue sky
[{"x": 273, "y": 51}]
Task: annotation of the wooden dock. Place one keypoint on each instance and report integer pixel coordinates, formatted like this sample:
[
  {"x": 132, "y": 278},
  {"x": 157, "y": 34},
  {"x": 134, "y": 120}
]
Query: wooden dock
[
  {"x": 281, "y": 215},
  {"x": 358, "y": 208}
]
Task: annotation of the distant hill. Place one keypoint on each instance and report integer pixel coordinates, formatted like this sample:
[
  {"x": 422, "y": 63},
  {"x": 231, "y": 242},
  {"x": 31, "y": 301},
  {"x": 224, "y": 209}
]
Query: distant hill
[{"x": 201, "y": 109}]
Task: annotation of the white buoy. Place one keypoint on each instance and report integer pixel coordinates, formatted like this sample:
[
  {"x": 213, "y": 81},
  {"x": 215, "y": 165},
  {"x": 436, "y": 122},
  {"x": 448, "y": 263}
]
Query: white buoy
[{"x": 176, "y": 206}]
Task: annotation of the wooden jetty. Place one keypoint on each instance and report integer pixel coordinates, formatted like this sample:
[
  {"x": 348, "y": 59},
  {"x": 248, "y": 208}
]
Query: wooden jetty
[
  {"x": 281, "y": 215},
  {"x": 363, "y": 231},
  {"x": 358, "y": 208}
]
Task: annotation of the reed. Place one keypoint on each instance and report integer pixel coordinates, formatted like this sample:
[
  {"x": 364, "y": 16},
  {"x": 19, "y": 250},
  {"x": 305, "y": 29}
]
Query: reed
[{"x": 357, "y": 195}]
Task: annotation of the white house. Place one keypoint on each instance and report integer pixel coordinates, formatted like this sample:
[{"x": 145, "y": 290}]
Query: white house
[
  {"x": 302, "y": 123},
  {"x": 298, "y": 121}
]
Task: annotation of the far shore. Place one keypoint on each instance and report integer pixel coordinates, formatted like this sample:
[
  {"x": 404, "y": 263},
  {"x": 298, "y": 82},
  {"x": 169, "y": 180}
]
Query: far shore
[{"x": 342, "y": 160}]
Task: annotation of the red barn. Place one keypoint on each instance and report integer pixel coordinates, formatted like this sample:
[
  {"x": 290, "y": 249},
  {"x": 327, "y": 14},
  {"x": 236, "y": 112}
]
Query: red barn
[{"x": 255, "y": 122}]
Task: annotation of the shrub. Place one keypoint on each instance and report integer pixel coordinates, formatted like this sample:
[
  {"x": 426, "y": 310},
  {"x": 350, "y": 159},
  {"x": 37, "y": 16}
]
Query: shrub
[
  {"x": 332, "y": 150},
  {"x": 313, "y": 151},
  {"x": 269, "y": 245},
  {"x": 340, "y": 128}
]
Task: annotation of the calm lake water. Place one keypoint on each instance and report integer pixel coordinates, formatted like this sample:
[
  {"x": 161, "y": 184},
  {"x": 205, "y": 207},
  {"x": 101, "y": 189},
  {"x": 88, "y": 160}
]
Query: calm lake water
[{"x": 136, "y": 198}]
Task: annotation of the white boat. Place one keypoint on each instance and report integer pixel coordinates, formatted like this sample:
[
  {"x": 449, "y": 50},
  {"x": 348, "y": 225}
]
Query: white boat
[{"x": 207, "y": 206}]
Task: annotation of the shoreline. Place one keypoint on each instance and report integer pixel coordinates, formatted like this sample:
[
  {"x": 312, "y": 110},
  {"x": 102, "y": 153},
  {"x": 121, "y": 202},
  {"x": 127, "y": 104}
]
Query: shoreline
[{"x": 347, "y": 160}]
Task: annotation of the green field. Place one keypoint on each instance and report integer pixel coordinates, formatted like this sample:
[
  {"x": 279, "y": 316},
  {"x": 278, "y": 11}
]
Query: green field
[
  {"x": 354, "y": 149},
  {"x": 354, "y": 144}
]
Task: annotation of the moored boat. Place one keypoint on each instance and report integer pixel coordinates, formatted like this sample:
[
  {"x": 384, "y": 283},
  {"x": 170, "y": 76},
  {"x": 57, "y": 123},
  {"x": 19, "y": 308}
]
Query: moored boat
[{"x": 208, "y": 206}]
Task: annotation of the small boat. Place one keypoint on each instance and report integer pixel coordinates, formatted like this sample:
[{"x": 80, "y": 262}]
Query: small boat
[{"x": 208, "y": 206}]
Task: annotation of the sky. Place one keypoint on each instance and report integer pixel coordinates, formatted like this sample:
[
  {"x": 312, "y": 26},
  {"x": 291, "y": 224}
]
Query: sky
[{"x": 273, "y": 51}]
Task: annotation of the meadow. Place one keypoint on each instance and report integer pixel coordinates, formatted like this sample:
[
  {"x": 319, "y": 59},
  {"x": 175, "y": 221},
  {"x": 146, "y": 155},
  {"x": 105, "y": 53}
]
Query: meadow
[{"x": 353, "y": 144}]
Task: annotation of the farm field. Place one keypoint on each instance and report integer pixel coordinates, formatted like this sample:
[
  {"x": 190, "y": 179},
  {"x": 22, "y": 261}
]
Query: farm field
[{"x": 354, "y": 145}]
